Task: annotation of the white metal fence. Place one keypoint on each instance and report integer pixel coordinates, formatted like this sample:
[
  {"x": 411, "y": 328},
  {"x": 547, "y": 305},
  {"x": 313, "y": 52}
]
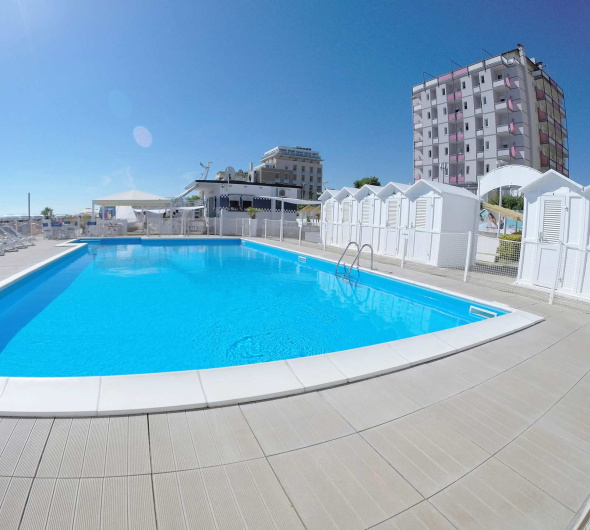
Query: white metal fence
[
  {"x": 554, "y": 273},
  {"x": 299, "y": 230}
]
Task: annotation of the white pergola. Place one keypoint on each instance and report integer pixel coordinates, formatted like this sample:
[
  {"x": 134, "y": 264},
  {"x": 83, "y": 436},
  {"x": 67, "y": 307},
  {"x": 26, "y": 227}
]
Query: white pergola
[
  {"x": 134, "y": 198},
  {"x": 292, "y": 201}
]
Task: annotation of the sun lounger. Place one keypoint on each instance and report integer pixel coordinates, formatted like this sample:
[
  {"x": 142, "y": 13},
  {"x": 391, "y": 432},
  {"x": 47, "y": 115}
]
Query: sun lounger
[
  {"x": 27, "y": 240},
  {"x": 10, "y": 240}
]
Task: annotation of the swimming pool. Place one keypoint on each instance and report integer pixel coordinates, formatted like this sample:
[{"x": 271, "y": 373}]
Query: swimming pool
[{"x": 138, "y": 306}]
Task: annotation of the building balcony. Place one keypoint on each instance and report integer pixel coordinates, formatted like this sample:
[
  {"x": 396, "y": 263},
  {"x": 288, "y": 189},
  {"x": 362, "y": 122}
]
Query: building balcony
[
  {"x": 479, "y": 132},
  {"x": 543, "y": 137},
  {"x": 452, "y": 137},
  {"x": 417, "y": 163},
  {"x": 503, "y": 153},
  {"x": 453, "y": 158},
  {"x": 502, "y": 129},
  {"x": 418, "y": 143},
  {"x": 456, "y": 116},
  {"x": 418, "y": 125},
  {"x": 460, "y": 136},
  {"x": 461, "y": 158},
  {"x": 435, "y": 160},
  {"x": 501, "y": 105},
  {"x": 435, "y": 140},
  {"x": 458, "y": 95},
  {"x": 540, "y": 94},
  {"x": 541, "y": 115},
  {"x": 451, "y": 97},
  {"x": 478, "y": 110},
  {"x": 479, "y": 154},
  {"x": 417, "y": 108},
  {"x": 499, "y": 83}
]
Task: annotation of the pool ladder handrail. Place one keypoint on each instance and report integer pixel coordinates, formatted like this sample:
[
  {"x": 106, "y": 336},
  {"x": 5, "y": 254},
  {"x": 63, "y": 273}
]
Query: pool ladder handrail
[
  {"x": 357, "y": 259},
  {"x": 342, "y": 257}
]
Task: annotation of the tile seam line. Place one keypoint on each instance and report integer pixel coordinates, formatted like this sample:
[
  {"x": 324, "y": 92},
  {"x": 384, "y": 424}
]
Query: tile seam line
[
  {"x": 408, "y": 509},
  {"x": 151, "y": 474}
]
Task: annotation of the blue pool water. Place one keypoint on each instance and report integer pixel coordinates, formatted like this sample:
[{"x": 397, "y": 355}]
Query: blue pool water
[{"x": 158, "y": 306}]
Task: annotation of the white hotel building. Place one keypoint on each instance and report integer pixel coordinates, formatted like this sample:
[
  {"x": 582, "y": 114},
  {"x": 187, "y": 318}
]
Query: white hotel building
[{"x": 499, "y": 111}]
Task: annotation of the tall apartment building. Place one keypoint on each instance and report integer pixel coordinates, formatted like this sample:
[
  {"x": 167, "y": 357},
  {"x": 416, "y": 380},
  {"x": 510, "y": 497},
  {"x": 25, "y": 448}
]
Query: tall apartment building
[
  {"x": 300, "y": 166},
  {"x": 502, "y": 110}
]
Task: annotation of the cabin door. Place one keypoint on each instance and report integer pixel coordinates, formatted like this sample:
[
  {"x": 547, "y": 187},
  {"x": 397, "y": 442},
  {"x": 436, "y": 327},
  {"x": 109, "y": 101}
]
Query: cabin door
[{"x": 550, "y": 235}]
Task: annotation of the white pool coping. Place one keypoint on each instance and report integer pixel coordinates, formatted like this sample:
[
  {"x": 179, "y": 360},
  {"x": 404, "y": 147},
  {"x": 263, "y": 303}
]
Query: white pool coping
[{"x": 215, "y": 387}]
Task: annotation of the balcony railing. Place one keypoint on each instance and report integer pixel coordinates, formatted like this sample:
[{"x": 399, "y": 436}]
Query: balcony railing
[
  {"x": 456, "y": 116},
  {"x": 543, "y": 137},
  {"x": 458, "y": 95},
  {"x": 452, "y": 137},
  {"x": 540, "y": 94},
  {"x": 418, "y": 125},
  {"x": 417, "y": 162},
  {"x": 542, "y": 115},
  {"x": 450, "y": 97},
  {"x": 461, "y": 158},
  {"x": 460, "y": 136},
  {"x": 503, "y": 153},
  {"x": 453, "y": 158},
  {"x": 460, "y": 178}
]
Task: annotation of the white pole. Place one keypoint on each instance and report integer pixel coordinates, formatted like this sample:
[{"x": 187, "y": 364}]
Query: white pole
[
  {"x": 265, "y": 225},
  {"x": 221, "y": 222},
  {"x": 554, "y": 286},
  {"x": 93, "y": 213},
  {"x": 404, "y": 248},
  {"x": 282, "y": 217},
  {"x": 468, "y": 256},
  {"x": 300, "y": 228}
]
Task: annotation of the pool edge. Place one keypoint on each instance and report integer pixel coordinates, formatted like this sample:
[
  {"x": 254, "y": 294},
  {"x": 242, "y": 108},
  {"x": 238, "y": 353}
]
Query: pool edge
[{"x": 215, "y": 387}]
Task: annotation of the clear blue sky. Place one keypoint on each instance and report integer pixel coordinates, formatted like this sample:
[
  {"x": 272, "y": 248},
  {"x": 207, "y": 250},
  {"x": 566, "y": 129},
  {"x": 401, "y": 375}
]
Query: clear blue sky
[{"x": 225, "y": 81}]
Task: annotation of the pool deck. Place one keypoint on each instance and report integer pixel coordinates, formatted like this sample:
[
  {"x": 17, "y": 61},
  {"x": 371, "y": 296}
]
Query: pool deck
[{"x": 497, "y": 436}]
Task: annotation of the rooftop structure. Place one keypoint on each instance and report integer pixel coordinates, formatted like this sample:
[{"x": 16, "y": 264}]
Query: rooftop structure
[{"x": 499, "y": 111}]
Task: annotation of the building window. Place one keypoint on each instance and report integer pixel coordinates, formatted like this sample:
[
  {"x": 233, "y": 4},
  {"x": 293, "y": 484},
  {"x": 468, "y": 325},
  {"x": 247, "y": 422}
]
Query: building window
[
  {"x": 444, "y": 110},
  {"x": 467, "y": 148},
  {"x": 444, "y": 91},
  {"x": 499, "y": 77},
  {"x": 487, "y": 145},
  {"x": 429, "y": 134},
  {"x": 485, "y": 100},
  {"x": 294, "y": 167},
  {"x": 430, "y": 172},
  {"x": 486, "y": 122},
  {"x": 446, "y": 150},
  {"x": 482, "y": 79},
  {"x": 446, "y": 131},
  {"x": 465, "y": 105},
  {"x": 466, "y": 126},
  {"x": 467, "y": 170},
  {"x": 427, "y": 96},
  {"x": 302, "y": 168},
  {"x": 487, "y": 168},
  {"x": 463, "y": 85},
  {"x": 429, "y": 153}
]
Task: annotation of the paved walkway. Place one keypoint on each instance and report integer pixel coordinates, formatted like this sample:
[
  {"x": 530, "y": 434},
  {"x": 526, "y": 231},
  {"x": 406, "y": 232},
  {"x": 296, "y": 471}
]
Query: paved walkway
[{"x": 495, "y": 437}]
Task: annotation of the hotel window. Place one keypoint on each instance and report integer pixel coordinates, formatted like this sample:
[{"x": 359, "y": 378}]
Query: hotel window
[
  {"x": 486, "y": 122},
  {"x": 467, "y": 170},
  {"x": 428, "y": 115},
  {"x": 429, "y": 134},
  {"x": 466, "y": 126},
  {"x": 446, "y": 150},
  {"x": 427, "y": 96},
  {"x": 463, "y": 85},
  {"x": 467, "y": 148},
  {"x": 429, "y": 153},
  {"x": 485, "y": 100},
  {"x": 430, "y": 172},
  {"x": 482, "y": 79},
  {"x": 444, "y": 110},
  {"x": 444, "y": 91},
  {"x": 465, "y": 105},
  {"x": 487, "y": 168},
  {"x": 499, "y": 77},
  {"x": 487, "y": 145},
  {"x": 446, "y": 131}
]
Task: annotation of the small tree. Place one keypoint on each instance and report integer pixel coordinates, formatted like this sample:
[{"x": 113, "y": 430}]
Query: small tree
[
  {"x": 372, "y": 181},
  {"x": 252, "y": 212},
  {"x": 47, "y": 212}
]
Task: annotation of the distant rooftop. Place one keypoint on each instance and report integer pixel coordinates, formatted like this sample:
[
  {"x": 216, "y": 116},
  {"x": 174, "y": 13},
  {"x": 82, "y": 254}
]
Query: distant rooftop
[{"x": 298, "y": 151}]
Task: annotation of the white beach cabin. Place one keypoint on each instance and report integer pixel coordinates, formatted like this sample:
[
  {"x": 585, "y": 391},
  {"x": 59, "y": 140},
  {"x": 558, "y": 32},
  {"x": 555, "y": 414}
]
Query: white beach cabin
[
  {"x": 439, "y": 218},
  {"x": 555, "y": 240}
]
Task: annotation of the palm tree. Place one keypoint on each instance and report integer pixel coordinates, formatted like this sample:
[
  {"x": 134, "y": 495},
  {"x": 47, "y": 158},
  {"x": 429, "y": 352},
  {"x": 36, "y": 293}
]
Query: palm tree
[{"x": 47, "y": 212}]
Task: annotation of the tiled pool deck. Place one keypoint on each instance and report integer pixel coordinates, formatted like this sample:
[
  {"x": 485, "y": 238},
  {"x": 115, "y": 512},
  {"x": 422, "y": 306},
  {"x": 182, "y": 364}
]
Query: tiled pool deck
[{"x": 497, "y": 437}]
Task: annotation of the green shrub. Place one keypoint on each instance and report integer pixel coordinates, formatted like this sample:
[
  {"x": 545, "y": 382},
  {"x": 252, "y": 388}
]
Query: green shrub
[{"x": 508, "y": 250}]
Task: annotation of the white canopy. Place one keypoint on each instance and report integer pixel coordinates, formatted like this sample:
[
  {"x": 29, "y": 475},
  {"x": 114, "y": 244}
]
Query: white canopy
[{"x": 132, "y": 198}]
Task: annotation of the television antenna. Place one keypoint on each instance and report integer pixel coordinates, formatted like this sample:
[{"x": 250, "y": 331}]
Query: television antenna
[{"x": 205, "y": 173}]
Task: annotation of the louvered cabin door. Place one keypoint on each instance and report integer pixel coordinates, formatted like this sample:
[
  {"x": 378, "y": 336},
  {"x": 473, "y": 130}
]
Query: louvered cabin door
[{"x": 551, "y": 231}]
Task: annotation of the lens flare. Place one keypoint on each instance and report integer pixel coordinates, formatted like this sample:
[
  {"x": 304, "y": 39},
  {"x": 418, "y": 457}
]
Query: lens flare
[{"x": 142, "y": 136}]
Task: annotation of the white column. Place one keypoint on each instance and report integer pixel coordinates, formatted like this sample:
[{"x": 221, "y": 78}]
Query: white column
[
  {"x": 93, "y": 212},
  {"x": 282, "y": 217}
]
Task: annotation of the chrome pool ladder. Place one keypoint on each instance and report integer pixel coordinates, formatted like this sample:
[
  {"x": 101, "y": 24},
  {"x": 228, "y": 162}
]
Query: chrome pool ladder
[{"x": 355, "y": 260}]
